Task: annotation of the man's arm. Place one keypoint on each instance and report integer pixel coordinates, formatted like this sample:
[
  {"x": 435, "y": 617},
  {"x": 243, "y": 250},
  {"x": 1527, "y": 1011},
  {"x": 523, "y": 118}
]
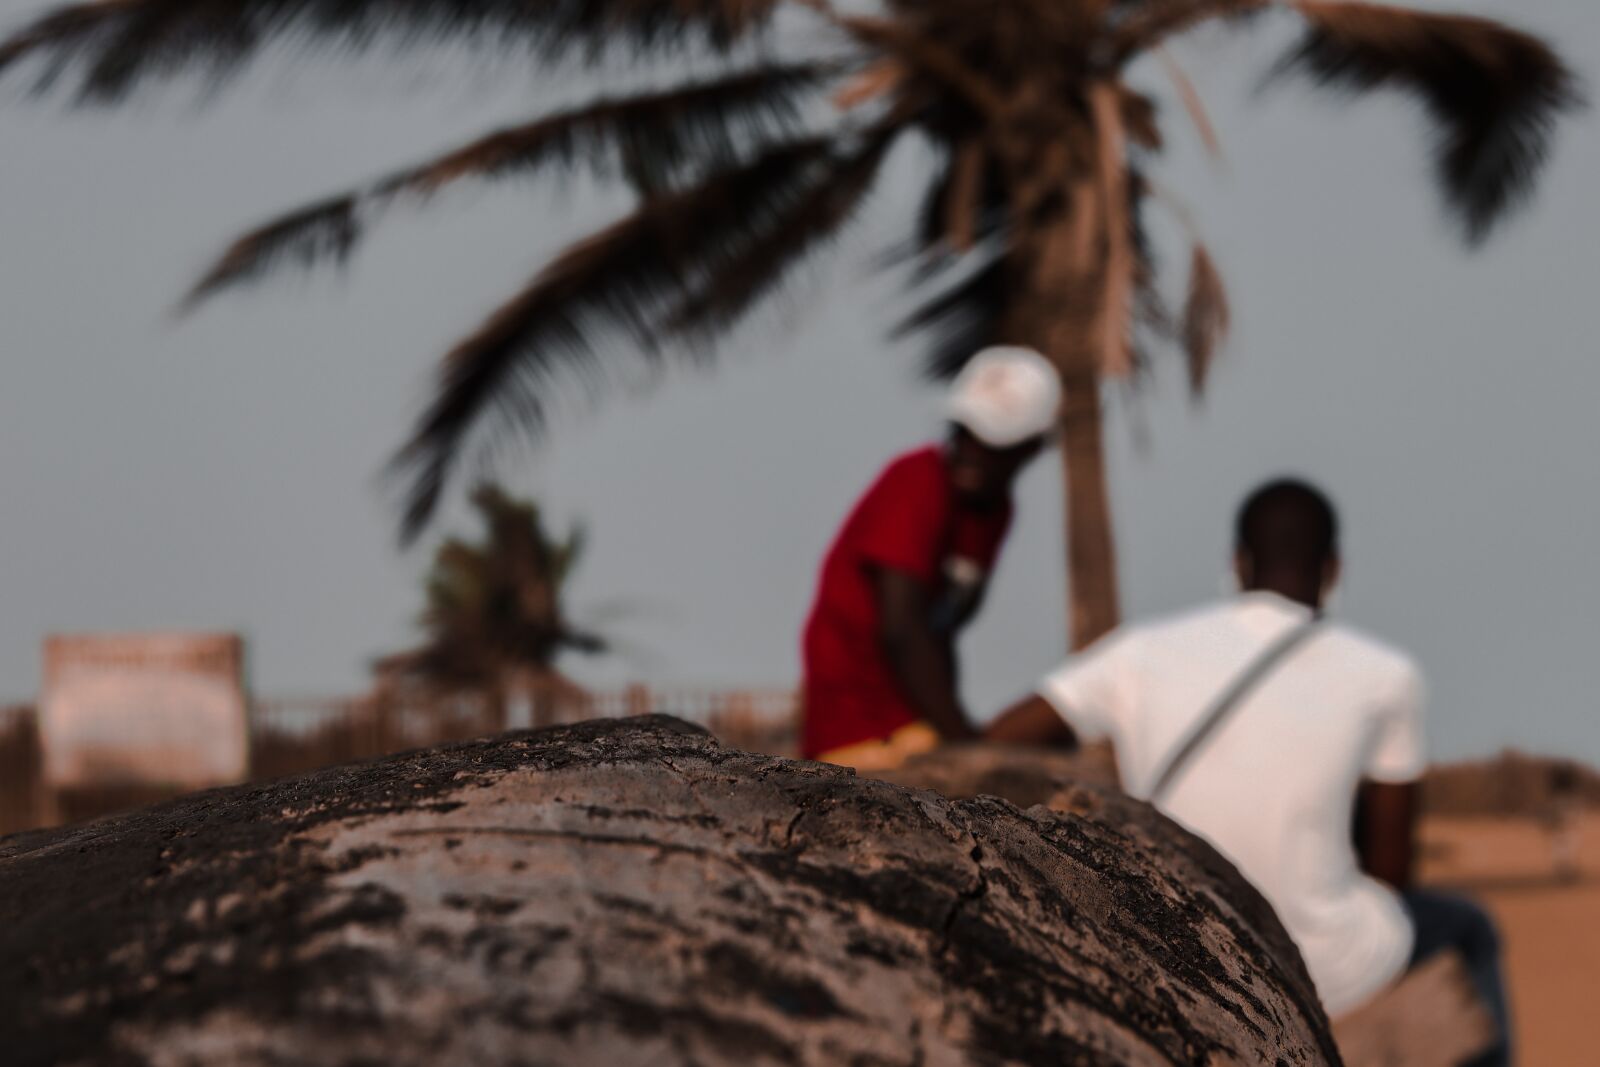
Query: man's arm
[
  {"x": 1032, "y": 721},
  {"x": 1387, "y": 803},
  {"x": 957, "y": 603},
  {"x": 1385, "y": 831},
  {"x": 970, "y": 604},
  {"x": 922, "y": 661}
]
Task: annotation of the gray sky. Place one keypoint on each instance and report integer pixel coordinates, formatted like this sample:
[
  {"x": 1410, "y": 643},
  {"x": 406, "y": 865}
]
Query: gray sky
[{"x": 221, "y": 472}]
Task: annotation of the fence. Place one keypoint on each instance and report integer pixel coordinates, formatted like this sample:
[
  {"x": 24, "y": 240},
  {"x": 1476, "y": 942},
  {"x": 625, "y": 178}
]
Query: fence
[
  {"x": 1513, "y": 783},
  {"x": 292, "y": 736},
  {"x": 288, "y": 736},
  {"x": 19, "y": 769}
]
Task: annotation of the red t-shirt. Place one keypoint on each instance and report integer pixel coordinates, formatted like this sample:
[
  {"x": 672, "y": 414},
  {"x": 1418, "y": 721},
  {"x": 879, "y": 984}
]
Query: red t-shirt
[{"x": 908, "y": 522}]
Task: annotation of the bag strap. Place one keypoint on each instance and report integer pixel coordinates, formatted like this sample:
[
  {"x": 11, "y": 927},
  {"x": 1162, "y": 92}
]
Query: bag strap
[{"x": 1231, "y": 698}]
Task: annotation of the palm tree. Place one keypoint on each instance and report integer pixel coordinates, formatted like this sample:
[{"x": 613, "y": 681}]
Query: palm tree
[
  {"x": 1029, "y": 230},
  {"x": 494, "y": 622}
]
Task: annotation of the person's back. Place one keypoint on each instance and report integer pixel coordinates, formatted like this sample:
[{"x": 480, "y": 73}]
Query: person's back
[
  {"x": 1260, "y": 724},
  {"x": 1274, "y": 786}
]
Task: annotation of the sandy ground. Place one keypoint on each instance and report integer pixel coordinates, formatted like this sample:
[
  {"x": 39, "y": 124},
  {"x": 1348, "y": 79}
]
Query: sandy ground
[{"x": 1551, "y": 927}]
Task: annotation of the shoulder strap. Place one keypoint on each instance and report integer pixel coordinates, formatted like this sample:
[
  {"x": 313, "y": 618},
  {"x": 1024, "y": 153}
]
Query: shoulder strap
[{"x": 1231, "y": 698}]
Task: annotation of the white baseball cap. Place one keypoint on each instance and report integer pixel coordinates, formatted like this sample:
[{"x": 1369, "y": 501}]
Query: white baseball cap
[{"x": 1006, "y": 395}]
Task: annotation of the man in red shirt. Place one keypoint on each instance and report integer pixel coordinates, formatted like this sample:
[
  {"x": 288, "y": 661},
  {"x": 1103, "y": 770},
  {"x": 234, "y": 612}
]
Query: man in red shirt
[{"x": 909, "y": 568}]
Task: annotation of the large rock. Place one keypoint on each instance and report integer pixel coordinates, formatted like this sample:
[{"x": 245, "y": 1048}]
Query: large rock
[
  {"x": 628, "y": 892},
  {"x": 1023, "y": 775}
]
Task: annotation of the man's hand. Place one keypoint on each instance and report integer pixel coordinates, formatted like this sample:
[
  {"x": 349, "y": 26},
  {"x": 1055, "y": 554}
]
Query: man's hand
[
  {"x": 922, "y": 661},
  {"x": 1031, "y": 721},
  {"x": 1385, "y": 831}
]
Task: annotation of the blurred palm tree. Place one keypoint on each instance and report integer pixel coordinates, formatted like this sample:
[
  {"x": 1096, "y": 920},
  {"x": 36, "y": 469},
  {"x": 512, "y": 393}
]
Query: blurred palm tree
[
  {"x": 1029, "y": 230},
  {"x": 494, "y": 620}
]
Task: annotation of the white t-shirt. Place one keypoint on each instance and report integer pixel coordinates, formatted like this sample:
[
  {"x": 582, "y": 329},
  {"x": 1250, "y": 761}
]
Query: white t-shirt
[{"x": 1274, "y": 786}]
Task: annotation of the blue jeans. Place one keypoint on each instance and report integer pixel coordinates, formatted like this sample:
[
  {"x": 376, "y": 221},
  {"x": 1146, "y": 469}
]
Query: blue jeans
[{"x": 1446, "y": 921}]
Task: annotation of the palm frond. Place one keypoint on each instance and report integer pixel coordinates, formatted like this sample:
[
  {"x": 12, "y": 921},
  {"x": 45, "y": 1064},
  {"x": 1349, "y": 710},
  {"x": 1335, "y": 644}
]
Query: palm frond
[
  {"x": 1206, "y": 318},
  {"x": 325, "y": 230},
  {"x": 1143, "y": 26},
  {"x": 582, "y": 641},
  {"x": 704, "y": 124},
  {"x": 1150, "y": 307},
  {"x": 963, "y": 200},
  {"x": 114, "y": 45},
  {"x": 622, "y": 279},
  {"x": 869, "y": 84},
  {"x": 701, "y": 123},
  {"x": 740, "y": 277},
  {"x": 1192, "y": 103},
  {"x": 925, "y": 55},
  {"x": 1140, "y": 119},
  {"x": 569, "y": 552},
  {"x": 963, "y": 318},
  {"x": 1495, "y": 92},
  {"x": 929, "y": 245}
]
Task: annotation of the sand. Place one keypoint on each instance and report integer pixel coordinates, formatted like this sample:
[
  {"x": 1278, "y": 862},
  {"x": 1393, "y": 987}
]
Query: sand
[{"x": 1551, "y": 927}]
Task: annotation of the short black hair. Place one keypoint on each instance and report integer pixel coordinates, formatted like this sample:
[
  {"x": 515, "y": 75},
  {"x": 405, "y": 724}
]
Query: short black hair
[{"x": 1288, "y": 524}]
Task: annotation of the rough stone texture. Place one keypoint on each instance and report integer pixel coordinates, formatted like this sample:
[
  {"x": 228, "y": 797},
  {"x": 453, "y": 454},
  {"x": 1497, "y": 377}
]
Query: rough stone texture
[
  {"x": 1025, "y": 776},
  {"x": 628, "y": 892}
]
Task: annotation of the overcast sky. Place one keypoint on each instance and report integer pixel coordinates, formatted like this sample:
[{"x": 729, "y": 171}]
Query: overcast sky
[{"x": 221, "y": 472}]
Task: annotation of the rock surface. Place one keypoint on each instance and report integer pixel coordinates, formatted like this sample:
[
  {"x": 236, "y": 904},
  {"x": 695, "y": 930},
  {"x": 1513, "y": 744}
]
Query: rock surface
[
  {"x": 628, "y": 892},
  {"x": 1024, "y": 776}
]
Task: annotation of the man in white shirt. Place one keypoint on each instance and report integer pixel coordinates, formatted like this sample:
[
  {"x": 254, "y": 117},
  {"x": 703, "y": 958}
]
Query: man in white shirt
[{"x": 1256, "y": 723}]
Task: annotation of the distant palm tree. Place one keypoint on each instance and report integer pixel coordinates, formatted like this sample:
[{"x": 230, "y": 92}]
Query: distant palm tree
[
  {"x": 1029, "y": 230},
  {"x": 494, "y": 620}
]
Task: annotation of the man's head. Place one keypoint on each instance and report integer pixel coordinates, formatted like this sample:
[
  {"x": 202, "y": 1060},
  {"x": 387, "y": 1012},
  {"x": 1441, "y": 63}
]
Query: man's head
[
  {"x": 1287, "y": 541},
  {"x": 1003, "y": 403}
]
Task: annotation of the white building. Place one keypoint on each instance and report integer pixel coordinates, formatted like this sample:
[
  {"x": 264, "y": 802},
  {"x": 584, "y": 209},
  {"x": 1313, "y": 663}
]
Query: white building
[{"x": 148, "y": 709}]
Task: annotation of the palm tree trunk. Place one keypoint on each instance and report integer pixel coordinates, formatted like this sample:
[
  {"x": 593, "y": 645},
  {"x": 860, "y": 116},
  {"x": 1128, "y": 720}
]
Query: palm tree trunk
[
  {"x": 1056, "y": 311},
  {"x": 1091, "y": 557}
]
